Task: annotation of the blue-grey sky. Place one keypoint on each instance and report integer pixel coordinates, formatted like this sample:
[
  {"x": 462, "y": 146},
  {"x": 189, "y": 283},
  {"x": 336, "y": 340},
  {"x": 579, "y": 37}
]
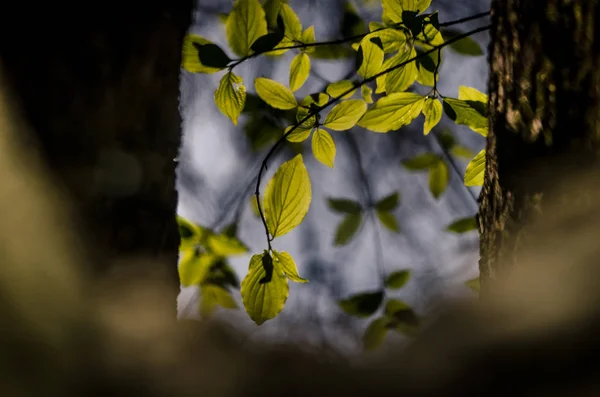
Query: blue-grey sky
[{"x": 216, "y": 166}]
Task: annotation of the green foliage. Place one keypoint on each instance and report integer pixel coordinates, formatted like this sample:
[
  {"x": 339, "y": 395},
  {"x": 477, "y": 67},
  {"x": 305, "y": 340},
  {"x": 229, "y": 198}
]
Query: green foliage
[
  {"x": 391, "y": 56},
  {"x": 363, "y": 304},
  {"x": 397, "y": 280},
  {"x": 463, "y": 225}
]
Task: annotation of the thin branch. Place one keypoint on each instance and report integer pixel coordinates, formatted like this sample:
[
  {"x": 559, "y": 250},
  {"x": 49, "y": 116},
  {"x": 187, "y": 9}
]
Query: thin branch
[
  {"x": 467, "y": 19},
  {"x": 335, "y": 100}
]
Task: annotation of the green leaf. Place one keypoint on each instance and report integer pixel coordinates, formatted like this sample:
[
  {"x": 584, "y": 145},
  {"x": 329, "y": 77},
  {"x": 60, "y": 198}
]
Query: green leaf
[
  {"x": 300, "y": 134},
  {"x": 345, "y": 115},
  {"x": 402, "y": 318},
  {"x": 245, "y": 24},
  {"x": 194, "y": 267},
  {"x": 287, "y": 197},
  {"x": 213, "y": 296},
  {"x": 462, "y": 151},
  {"x": 347, "y": 229},
  {"x": 447, "y": 141},
  {"x": 188, "y": 230},
  {"x": 212, "y": 55},
  {"x": 332, "y": 51},
  {"x": 398, "y": 279},
  {"x": 352, "y": 23},
  {"x": 391, "y": 39},
  {"x": 293, "y": 27},
  {"x": 476, "y": 170},
  {"x": 344, "y": 206},
  {"x": 392, "y": 112},
  {"x": 463, "y": 225},
  {"x": 190, "y": 59},
  {"x": 426, "y": 66},
  {"x": 231, "y": 96},
  {"x": 388, "y": 220},
  {"x": 465, "y": 46},
  {"x": 275, "y": 94},
  {"x": 438, "y": 178},
  {"x": 401, "y": 79},
  {"x": 375, "y": 333},
  {"x": 288, "y": 266},
  {"x": 470, "y": 109},
  {"x": 392, "y": 306},
  {"x": 299, "y": 71},
  {"x": 388, "y": 203},
  {"x": 339, "y": 87},
  {"x": 421, "y": 162},
  {"x": 224, "y": 245},
  {"x": 432, "y": 110},
  {"x": 267, "y": 42},
  {"x": 323, "y": 147},
  {"x": 363, "y": 304},
  {"x": 393, "y": 10},
  {"x": 272, "y": 8},
  {"x": 264, "y": 289},
  {"x": 474, "y": 284},
  {"x": 366, "y": 93},
  {"x": 369, "y": 58},
  {"x": 308, "y": 37}
]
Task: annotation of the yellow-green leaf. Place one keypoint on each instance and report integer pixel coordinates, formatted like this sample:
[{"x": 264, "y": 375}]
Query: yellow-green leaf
[
  {"x": 190, "y": 233},
  {"x": 369, "y": 58},
  {"x": 432, "y": 110},
  {"x": 388, "y": 220},
  {"x": 264, "y": 289},
  {"x": 213, "y": 296},
  {"x": 367, "y": 93},
  {"x": 375, "y": 333},
  {"x": 397, "y": 279},
  {"x": 392, "y": 9},
  {"x": 323, "y": 147},
  {"x": 469, "y": 109},
  {"x": 392, "y": 112},
  {"x": 189, "y": 55},
  {"x": 245, "y": 24},
  {"x": 287, "y": 264},
  {"x": 344, "y": 206},
  {"x": 347, "y": 229},
  {"x": 274, "y": 93},
  {"x": 230, "y": 97},
  {"x": 287, "y": 197},
  {"x": 300, "y": 134},
  {"x": 471, "y": 94},
  {"x": 223, "y": 245},
  {"x": 421, "y": 161},
  {"x": 299, "y": 71},
  {"x": 194, "y": 267},
  {"x": 272, "y": 8},
  {"x": 339, "y": 87},
  {"x": 438, "y": 178},
  {"x": 308, "y": 37},
  {"x": 345, "y": 115},
  {"x": 476, "y": 170},
  {"x": 391, "y": 39},
  {"x": 426, "y": 66},
  {"x": 293, "y": 27},
  {"x": 463, "y": 225},
  {"x": 401, "y": 79}
]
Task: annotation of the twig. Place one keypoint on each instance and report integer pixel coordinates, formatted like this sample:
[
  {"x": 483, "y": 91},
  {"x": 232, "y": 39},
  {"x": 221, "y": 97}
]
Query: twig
[{"x": 467, "y": 19}]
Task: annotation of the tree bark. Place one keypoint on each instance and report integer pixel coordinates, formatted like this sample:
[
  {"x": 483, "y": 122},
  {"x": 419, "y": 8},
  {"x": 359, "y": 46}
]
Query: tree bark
[
  {"x": 544, "y": 112},
  {"x": 99, "y": 86}
]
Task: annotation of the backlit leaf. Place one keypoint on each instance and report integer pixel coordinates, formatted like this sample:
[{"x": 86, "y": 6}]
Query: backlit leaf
[
  {"x": 363, "y": 304},
  {"x": 323, "y": 147},
  {"x": 476, "y": 170},
  {"x": 375, "y": 333},
  {"x": 345, "y": 115},
  {"x": 194, "y": 267},
  {"x": 231, "y": 96},
  {"x": 212, "y": 55},
  {"x": 401, "y": 79},
  {"x": 299, "y": 71},
  {"x": 344, "y": 206},
  {"x": 264, "y": 289},
  {"x": 463, "y": 225},
  {"x": 397, "y": 279},
  {"x": 339, "y": 87},
  {"x": 392, "y": 112},
  {"x": 391, "y": 39},
  {"x": 300, "y": 134},
  {"x": 369, "y": 58},
  {"x": 438, "y": 178},
  {"x": 213, "y": 296},
  {"x": 432, "y": 110},
  {"x": 288, "y": 266},
  {"x": 366, "y": 93},
  {"x": 287, "y": 197},
  {"x": 388, "y": 220},
  {"x": 274, "y": 93},
  {"x": 393, "y": 9},
  {"x": 267, "y": 42},
  {"x": 190, "y": 59},
  {"x": 465, "y": 46},
  {"x": 347, "y": 229},
  {"x": 245, "y": 24},
  {"x": 462, "y": 151},
  {"x": 308, "y": 37},
  {"x": 469, "y": 109},
  {"x": 293, "y": 27},
  {"x": 421, "y": 162},
  {"x": 224, "y": 245},
  {"x": 272, "y": 8},
  {"x": 388, "y": 203}
]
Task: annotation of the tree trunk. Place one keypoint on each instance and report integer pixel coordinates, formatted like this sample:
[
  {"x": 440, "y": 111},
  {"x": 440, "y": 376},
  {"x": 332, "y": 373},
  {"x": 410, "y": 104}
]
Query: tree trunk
[
  {"x": 99, "y": 86},
  {"x": 544, "y": 112}
]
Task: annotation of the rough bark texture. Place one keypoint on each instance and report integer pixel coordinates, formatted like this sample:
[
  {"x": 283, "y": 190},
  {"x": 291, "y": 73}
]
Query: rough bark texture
[
  {"x": 99, "y": 86},
  {"x": 544, "y": 92}
]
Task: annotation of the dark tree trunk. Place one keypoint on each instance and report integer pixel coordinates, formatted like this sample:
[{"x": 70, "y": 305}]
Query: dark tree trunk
[
  {"x": 544, "y": 92},
  {"x": 99, "y": 85}
]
